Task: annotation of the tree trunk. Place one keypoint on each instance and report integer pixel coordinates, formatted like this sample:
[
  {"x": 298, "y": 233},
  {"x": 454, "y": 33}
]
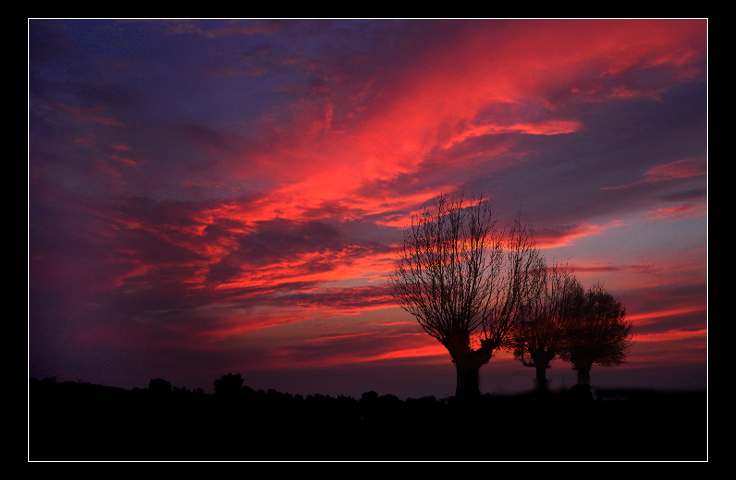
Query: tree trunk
[
  {"x": 467, "y": 363},
  {"x": 467, "y": 380},
  {"x": 584, "y": 375},
  {"x": 541, "y": 378}
]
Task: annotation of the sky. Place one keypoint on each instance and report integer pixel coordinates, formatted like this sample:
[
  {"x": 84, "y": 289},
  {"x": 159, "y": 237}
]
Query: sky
[{"x": 228, "y": 196}]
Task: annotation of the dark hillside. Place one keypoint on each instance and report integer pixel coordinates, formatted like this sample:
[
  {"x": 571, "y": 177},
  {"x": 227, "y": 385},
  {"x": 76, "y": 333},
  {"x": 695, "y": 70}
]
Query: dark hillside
[{"x": 80, "y": 421}]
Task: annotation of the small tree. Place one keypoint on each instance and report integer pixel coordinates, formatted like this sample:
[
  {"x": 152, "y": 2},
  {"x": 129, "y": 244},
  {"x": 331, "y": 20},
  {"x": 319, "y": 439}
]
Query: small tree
[
  {"x": 540, "y": 336},
  {"x": 466, "y": 282},
  {"x": 159, "y": 386},
  {"x": 229, "y": 385},
  {"x": 598, "y": 335}
]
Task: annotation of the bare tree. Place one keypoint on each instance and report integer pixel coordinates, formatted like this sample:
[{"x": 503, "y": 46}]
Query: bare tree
[
  {"x": 466, "y": 282},
  {"x": 599, "y": 334},
  {"x": 540, "y": 335}
]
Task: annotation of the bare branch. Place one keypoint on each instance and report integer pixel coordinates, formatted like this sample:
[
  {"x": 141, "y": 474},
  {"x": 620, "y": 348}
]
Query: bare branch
[{"x": 464, "y": 279}]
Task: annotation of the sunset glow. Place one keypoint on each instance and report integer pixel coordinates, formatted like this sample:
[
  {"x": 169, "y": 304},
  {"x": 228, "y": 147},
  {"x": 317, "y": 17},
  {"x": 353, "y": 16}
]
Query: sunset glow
[{"x": 222, "y": 196}]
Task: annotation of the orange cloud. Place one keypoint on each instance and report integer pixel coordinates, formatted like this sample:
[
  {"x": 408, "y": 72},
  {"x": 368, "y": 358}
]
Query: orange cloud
[
  {"x": 547, "y": 127},
  {"x": 672, "y": 335},
  {"x": 644, "y": 318},
  {"x": 564, "y": 236},
  {"x": 415, "y": 352}
]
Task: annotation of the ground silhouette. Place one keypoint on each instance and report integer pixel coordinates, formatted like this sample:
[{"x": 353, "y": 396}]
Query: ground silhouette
[{"x": 81, "y": 421}]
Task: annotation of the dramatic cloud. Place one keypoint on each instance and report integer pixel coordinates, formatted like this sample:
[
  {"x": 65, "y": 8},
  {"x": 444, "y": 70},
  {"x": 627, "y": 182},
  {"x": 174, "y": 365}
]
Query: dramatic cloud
[{"x": 206, "y": 196}]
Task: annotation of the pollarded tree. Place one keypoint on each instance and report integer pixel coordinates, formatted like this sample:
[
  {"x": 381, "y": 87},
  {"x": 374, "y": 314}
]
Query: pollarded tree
[
  {"x": 598, "y": 335},
  {"x": 466, "y": 282},
  {"x": 540, "y": 335}
]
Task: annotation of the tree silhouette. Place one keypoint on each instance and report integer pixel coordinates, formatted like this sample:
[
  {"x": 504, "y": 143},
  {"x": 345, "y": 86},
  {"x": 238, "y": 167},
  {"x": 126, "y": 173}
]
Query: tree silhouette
[
  {"x": 540, "y": 335},
  {"x": 599, "y": 334},
  {"x": 466, "y": 282},
  {"x": 228, "y": 385},
  {"x": 159, "y": 386}
]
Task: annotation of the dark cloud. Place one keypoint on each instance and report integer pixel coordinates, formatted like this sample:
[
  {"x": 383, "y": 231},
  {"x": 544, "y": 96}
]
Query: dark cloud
[
  {"x": 301, "y": 247},
  {"x": 342, "y": 298},
  {"x": 336, "y": 347},
  {"x": 686, "y": 195},
  {"x": 206, "y": 138}
]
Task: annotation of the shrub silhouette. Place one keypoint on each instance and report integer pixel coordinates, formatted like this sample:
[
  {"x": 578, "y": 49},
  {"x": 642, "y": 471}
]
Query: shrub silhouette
[
  {"x": 229, "y": 385},
  {"x": 159, "y": 386}
]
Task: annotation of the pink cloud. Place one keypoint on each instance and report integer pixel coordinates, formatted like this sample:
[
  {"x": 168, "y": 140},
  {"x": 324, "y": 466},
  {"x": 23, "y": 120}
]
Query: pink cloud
[
  {"x": 566, "y": 235},
  {"x": 351, "y": 150},
  {"x": 680, "y": 169},
  {"x": 644, "y": 318},
  {"x": 426, "y": 108},
  {"x": 678, "y": 212},
  {"x": 95, "y": 115},
  {"x": 685, "y": 168}
]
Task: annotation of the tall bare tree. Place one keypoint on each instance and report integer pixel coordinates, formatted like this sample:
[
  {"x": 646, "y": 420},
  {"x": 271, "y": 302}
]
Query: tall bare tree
[
  {"x": 466, "y": 281},
  {"x": 540, "y": 335},
  {"x": 600, "y": 334}
]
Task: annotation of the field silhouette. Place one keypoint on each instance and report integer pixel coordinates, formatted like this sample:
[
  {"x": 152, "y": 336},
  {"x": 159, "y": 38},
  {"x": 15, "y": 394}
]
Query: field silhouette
[{"x": 81, "y": 421}]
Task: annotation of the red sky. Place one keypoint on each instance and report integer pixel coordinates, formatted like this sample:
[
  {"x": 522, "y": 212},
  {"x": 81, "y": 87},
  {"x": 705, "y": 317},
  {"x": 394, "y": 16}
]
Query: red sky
[{"x": 209, "y": 197}]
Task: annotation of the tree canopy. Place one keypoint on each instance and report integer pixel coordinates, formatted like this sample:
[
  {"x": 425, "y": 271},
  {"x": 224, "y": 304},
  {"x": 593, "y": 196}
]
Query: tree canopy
[
  {"x": 466, "y": 281},
  {"x": 598, "y": 334},
  {"x": 541, "y": 334}
]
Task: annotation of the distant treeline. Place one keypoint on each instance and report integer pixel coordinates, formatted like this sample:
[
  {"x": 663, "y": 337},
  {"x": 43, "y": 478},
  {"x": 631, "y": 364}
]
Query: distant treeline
[{"x": 82, "y": 421}]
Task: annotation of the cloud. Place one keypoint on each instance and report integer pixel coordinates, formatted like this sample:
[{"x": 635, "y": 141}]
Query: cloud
[
  {"x": 342, "y": 299},
  {"x": 375, "y": 344},
  {"x": 679, "y": 212},
  {"x": 209, "y": 139},
  {"x": 562, "y": 235},
  {"x": 673, "y": 335},
  {"x": 643, "y": 318},
  {"x": 598, "y": 268},
  {"x": 213, "y": 30},
  {"x": 94, "y": 115},
  {"x": 222, "y": 187},
  {"x": 680, "y": 169}
]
